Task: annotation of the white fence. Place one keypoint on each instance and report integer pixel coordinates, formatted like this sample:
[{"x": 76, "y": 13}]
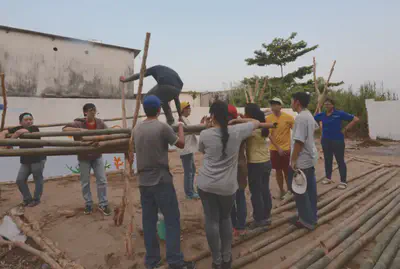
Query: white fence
[{"x": 382, "y": 119}]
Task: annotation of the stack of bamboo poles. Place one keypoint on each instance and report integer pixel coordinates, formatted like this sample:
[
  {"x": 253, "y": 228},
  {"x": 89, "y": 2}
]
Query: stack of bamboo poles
[
  {"x": 49, "y": 252},
  {"x": 109, "y": 141},
  {"x": 325, "y": 206}
]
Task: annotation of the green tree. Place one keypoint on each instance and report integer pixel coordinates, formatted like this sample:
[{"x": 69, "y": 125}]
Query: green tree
[{"x": 281, "y": 52}]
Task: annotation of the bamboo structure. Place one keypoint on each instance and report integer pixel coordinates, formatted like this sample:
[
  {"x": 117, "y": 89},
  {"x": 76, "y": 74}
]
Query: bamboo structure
[
  {"x": 276, "y": 241},
  {"x": 261, "y": 93},
  {"x": 112, "y": 146},
  {"x": 396, "y": 261},
  {"x": 4, "y": 93},
  {"x": 370, "y": 209},
  {"x": 358, "y": 244},
  {"x": 384, "y": 251},
  {"x": 61, "y": 124},
  {"x": 43, "y": 143}
]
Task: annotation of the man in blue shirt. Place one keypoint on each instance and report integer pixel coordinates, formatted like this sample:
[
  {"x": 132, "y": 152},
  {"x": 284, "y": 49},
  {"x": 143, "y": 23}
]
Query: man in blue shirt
[{"x": 333, "y": 139}]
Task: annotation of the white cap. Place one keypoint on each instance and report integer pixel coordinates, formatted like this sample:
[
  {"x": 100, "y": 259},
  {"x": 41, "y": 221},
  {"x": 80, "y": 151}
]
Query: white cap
[{"x": 299, "y": 182}]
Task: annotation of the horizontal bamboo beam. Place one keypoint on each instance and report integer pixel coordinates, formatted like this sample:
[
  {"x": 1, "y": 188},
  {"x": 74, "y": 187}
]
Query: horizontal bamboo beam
[
  {"x": 113, "y": 146},
  {"x": 42, "y": 143},
  {"x": 65, "y": 123},
  {"x": 104, "y": 137},
  {"x": 187, "y": 128}
]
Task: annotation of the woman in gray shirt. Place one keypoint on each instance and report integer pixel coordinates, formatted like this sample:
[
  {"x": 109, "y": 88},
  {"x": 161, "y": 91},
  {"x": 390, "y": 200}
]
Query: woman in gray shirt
[{"x": 217, "y": 180}]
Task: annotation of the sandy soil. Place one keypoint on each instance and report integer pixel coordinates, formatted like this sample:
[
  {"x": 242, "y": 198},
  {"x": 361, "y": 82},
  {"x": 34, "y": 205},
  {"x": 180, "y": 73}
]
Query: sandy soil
[{"x": 96, "y": 243}]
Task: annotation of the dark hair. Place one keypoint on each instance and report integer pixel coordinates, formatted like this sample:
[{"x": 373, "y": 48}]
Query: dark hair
[
  {"x": 253, "y": 111},
  {"x": 87, "y": 107},
  {"x": 23, "y": 115},
  {"x": 219, "y": 110},
  {"x": 329, "y": 100},
  {"x": 302, "y": 97},
  {"x": 151, "y": 111}
]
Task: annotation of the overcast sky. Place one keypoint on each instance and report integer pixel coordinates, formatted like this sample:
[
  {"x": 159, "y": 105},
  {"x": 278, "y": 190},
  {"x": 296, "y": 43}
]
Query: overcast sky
[{"x": 206, "y": 41}]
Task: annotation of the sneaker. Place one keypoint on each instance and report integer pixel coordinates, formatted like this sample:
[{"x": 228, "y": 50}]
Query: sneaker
[
  {"x": 327, "y": 181},
  {"x": 158, "y": 265},
  {"x": 238, "y": 232},
  {"x": 342, "y": 186},
  {"x": 185, "y": 265},
  {"x": 195, "y": 196},
  {"x": 259, "y": 224},
  {"x": 216, "y": 266},
  {"x": 282, "y": 195},
  {"x": 105, "y": 210},
  {"x": 299, "y": 225},
  {"x": 25, "y": 203},
  {"x": 88, "y": 210},
  {"x": 227, "y": 265},
  {"x": 33, "y": 203}
]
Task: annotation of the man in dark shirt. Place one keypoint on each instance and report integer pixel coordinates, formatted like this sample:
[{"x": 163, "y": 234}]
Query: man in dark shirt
[
  {"x": 169, "y": 86},
  {"x": 29, "y": 164},
  {"x": 90, "y": 161}
]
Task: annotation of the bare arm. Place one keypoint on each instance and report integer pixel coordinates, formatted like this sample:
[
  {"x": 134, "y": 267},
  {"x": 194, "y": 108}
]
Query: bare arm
[
  {"x": 3, "y": 134},
  {"x": 181, "y": 137},
  {"x": 298, "y": 147},
  {"x": 352, "y": 123},
  {"x": 178, "y": 106}
]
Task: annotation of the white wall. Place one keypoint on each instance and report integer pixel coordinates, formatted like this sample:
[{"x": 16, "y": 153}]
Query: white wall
[
  {"x": 58, "y": 110},
  {"x": 382, "y": 119},
  {"x": 77, "y": 68}
]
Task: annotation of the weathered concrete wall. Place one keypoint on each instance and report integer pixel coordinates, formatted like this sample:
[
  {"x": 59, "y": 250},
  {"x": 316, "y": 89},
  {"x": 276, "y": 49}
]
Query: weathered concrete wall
[
  {"x": 44, "y": 65},
  {"x": 382, "y": 121}
]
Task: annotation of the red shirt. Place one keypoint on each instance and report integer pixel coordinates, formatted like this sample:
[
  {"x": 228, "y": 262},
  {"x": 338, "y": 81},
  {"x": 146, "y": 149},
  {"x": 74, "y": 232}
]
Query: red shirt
[{"x": 91, "y": 125}]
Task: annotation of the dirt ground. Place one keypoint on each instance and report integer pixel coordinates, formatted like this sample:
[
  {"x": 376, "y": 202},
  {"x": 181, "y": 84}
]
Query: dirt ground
[{"x": 94, "y": 242}]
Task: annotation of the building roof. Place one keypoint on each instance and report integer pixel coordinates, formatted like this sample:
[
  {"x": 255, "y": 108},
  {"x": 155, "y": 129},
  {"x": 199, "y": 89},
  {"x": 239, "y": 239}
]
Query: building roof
[{"x": 12, "y": 29}]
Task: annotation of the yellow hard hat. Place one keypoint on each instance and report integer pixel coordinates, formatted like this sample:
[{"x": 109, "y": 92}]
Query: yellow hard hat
[{"x": 184, "y": 105}]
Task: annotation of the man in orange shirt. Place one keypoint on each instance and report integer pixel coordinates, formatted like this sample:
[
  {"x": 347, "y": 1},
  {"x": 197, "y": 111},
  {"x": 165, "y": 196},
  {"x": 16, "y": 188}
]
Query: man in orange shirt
[{"x": 280, "y": 143}]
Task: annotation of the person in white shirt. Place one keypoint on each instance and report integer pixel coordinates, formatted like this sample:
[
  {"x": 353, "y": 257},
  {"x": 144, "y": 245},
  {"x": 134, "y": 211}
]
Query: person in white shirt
[{"x": 187, "y": 155}]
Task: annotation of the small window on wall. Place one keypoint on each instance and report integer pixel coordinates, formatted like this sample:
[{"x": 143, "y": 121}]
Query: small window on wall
[{"x": 55, "y": 49}]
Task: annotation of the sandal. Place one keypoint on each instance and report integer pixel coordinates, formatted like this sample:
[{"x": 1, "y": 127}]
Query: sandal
[
  {"x": 327, "y": 181},
  {"x": 342, "y": 186}
]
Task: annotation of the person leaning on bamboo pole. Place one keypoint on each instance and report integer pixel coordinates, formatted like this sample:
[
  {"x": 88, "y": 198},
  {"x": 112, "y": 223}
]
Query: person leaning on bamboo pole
[
  {"x": 88, "y": 161},
  {"x": 29, "y": 164}
]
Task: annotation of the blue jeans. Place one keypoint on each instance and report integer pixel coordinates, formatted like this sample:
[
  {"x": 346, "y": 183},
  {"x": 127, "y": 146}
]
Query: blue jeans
[
  {"x": 101, "y": 180},
  {"x": 189, "y": 169},
  {"x": 330, "y": 148},
  {"x": 258, "y": 174},
  {"x": 36, "y": 169},
  {"x": 161, "y": 197},
  {"x": 307, "y": 203},
  {"x": 239, "y": 210}
]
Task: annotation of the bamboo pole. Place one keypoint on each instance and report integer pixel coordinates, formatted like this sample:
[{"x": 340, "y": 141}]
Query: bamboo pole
[
  {"x": 357, "y": 245},
  {"x": 368, "y": 210},
  {"x": 42, "y": 255},
  {"x": 4, "y": 92},
  {"x": 396, "y": 261},
  {"x": 112, "y": 146},
  {"x": 261, "y": 93},
  {"x": 61, "y": 124},
  {"x": 274, "y": 242},
  {"x": 43, "y": 143},
  {"x": 383, "y": 248},
  {"x": 324, "y": 94},
  {"x": 105, "y": 137}
]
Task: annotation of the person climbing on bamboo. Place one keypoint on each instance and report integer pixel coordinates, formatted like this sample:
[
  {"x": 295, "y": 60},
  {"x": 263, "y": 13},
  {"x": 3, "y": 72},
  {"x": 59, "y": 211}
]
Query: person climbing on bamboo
[
  {"x": 333, "y": 139},
  {"x": 169, "y": 86},
  {"x": 29, "y": 164}
]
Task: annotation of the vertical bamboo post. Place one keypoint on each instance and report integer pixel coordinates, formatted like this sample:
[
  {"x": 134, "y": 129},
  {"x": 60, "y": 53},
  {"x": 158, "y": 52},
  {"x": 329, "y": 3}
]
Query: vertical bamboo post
[
  {"x": 324, "y": 93},
  {"x": 261, "y": 93},
  {"x": 4, "y": 92},
  {"x": 131, "y": 141}
]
